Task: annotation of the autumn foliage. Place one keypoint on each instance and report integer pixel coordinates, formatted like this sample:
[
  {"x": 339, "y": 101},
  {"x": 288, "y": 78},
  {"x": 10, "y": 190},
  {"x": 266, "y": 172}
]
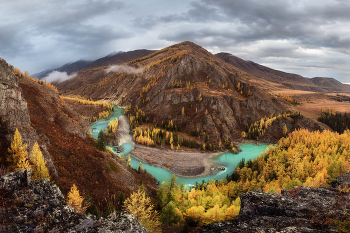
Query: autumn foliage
[
  {"x": 302, "y": 158},
  {"x": 141, "y": 207},
  {"x": 75, "y": 200},
  {"x": 18, "y": 159},
  {"x": 26, "y": 75},
  {"x": 39, "y": 164}
]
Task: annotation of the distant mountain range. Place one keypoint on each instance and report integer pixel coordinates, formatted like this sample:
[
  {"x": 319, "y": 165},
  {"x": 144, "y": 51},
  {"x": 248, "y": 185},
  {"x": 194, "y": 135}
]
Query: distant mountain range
[
  {"x": 110, "y": 59},
  {"x": 289, "y": 80},
  {"x": 293, "y": 81}
]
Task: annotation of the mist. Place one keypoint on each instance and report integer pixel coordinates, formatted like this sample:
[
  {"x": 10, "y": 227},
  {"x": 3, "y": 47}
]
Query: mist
[
  {"x": 59, "y": 76},
  {"x": 124, "y": 68}
]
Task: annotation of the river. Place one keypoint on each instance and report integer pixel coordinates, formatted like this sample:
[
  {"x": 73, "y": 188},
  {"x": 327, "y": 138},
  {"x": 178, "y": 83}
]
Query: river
[{"x": 228, "y": 160}]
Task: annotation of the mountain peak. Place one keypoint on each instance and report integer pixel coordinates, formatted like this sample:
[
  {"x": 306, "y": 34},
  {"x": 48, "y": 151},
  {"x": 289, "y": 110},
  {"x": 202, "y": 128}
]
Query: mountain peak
[{"x": 114, "y": 53}]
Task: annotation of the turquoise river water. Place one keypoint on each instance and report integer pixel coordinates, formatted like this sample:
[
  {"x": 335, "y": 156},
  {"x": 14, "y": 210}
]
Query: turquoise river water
[{"x": 228, "y": 160}]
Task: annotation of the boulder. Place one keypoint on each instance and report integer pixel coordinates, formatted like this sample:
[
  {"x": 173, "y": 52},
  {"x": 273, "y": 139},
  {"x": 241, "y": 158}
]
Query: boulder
[{"x": 40, "y": 207}]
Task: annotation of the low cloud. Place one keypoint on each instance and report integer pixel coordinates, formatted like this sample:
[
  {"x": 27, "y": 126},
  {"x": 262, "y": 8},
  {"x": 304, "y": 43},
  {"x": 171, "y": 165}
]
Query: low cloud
[
  {"x": 124, "y": 68},
  {"x": 59, "y": 76}
]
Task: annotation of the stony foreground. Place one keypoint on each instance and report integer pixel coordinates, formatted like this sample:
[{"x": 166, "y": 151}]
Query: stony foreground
[
  {"x": 27, "y": 206},
  {"x": 301, "y": 209}
]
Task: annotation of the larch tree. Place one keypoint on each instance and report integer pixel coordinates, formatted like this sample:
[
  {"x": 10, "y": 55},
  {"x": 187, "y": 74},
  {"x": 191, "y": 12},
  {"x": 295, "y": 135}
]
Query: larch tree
[
  {"x": 18, "y": 159},
  {"x": 140, "y": 206},
  {"x": 285, "y": 130},
  {"x": 75, "y": 200},
  {"x": 40, "y": 170},
  {"x": 128, "y": 160}
]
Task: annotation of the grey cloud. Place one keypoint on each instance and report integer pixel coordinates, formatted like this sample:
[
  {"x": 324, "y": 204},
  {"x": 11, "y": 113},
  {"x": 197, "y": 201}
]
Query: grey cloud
[
  {"x": 59, "y": 76},
  {"x": 295, "y": 35}
]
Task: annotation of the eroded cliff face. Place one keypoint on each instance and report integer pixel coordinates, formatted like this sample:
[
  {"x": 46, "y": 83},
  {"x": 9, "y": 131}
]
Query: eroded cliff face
[
  {"x": 14, "y": 114},
  {"x": 40, "y": 206}
]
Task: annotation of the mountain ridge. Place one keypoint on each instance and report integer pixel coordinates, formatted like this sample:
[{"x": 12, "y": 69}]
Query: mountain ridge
[
  {"x": 173, "y": 79},
  {"x": 289, "y": 80}
]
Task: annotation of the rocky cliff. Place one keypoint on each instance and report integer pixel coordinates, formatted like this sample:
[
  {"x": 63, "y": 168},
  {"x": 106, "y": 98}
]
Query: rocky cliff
[
  {"x": 14, "y": 114},
  {"x": 40, "y": 206},
  {"x": 301, "y": 209}
]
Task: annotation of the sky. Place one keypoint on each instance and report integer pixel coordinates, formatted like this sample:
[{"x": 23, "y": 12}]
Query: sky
[{"x": 306, "y": 37}]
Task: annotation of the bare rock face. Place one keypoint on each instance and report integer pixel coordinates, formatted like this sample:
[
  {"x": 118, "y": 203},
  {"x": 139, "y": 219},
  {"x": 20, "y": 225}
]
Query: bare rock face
[
  {"x": 13, "y": 108},
  {"x": 301, "y": 209},
  {"x": 14, "y": 114},
  {"x": 39, "y": 206}
]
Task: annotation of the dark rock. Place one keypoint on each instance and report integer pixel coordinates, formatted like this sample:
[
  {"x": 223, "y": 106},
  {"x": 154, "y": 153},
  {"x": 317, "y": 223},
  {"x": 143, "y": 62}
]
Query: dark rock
[
  {"x": 301, "y": 209},
  {"x": 342, "y": 181},
  {"x": 40, "y": 207},
  {"x": 13, "y": 180}
]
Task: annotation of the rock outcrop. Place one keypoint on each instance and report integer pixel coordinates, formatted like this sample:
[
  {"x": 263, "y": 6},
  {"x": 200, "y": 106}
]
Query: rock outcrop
[
  {"x": 14, "y": 114},
  {"x": 301, "y": 209},
  {"x": 39, "y": 206}
]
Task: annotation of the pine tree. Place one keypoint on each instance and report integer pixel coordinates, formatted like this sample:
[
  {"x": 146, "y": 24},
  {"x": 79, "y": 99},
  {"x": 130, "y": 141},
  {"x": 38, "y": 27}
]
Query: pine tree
[
  {"x": 75, "y": 200},
  {"x": 18, "y": 160},
  {"x": 39, "y": 170},
  {"x": 101, "y": 141}
]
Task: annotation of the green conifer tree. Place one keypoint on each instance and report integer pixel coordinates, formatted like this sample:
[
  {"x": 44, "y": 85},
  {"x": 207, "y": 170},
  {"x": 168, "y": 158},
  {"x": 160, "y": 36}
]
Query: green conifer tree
[{"x": 101, "y": 141}]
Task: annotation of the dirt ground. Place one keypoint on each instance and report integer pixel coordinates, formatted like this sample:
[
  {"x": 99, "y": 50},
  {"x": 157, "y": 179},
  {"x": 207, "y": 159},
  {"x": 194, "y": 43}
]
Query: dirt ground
[
  {"x": 312, "y": 102},
  {"x": 181, "y": 163}
]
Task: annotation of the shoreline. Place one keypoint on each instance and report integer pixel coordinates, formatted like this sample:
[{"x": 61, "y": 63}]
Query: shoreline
[{"x": 181, "y": 163}]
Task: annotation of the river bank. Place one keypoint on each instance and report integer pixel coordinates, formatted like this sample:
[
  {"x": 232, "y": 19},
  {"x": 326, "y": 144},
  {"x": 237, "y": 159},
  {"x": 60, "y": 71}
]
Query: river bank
[{"x": 185, "y": 164}]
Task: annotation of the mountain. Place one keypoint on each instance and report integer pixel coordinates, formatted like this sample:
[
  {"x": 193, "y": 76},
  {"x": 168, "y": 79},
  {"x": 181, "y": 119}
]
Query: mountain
[
  {"x": 61, "y": 129},
  {"x": 186, "y": 84},
  {"x": 111, "y": 59},
  {"x": 289, "y": 80},
  {"x": 119, "y": 58},
  {"x": 69, "y": 68},
  {"x": 330, "y": 84}
]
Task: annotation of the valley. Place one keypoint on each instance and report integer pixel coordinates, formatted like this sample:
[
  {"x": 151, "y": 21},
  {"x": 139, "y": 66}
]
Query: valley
[{"x": 192, "y": 131}]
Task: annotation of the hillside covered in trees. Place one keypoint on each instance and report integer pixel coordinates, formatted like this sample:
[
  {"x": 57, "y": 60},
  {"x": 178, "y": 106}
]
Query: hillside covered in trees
[{"x": 302, "y": 158}]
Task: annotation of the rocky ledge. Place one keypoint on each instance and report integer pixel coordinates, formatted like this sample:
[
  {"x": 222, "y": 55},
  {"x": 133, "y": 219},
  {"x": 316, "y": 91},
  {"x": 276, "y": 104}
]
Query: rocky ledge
[
  {"x": 27, "y": 206},
  {"x": 301, "y": 209}
]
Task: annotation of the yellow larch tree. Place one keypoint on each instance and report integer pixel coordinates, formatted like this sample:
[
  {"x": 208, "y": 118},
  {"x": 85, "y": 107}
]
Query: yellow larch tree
[
  {"x": 40, "y": 170},
  {"x": 75, "y": 200},
  {"x": 18, "y": 159},
  {"x": 140, "y": 206}
]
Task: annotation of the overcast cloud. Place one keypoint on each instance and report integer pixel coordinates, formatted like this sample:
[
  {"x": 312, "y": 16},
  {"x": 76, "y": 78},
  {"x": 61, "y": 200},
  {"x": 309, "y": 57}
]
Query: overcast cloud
[
  {"x": 59, "y": 76},
  {"x": 310, "y": 38}
]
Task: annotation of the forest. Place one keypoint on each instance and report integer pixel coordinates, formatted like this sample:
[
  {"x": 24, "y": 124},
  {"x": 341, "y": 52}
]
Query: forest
[
  {"x": 302, "y": 158},
  {"x": 337, "y": 121}
]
